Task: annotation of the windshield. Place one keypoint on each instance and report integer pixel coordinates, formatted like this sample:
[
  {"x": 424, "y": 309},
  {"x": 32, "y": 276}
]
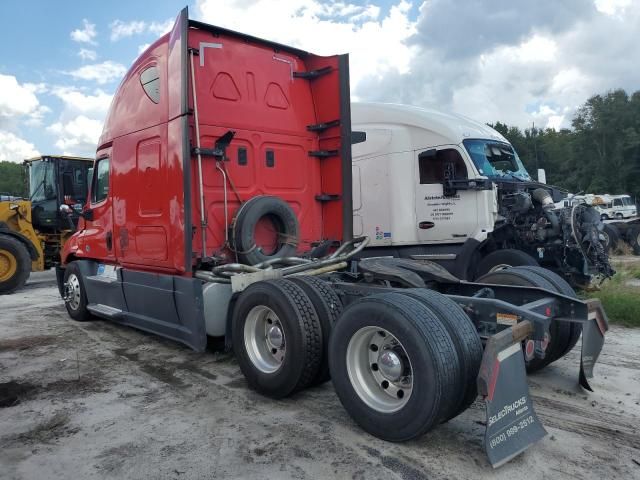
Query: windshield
[
  {"x": 495, "y": 159},
  {"x": 42, "y": 181},
  {"x": 626, "y": 201},
  {"x": 74, "y": 174}
]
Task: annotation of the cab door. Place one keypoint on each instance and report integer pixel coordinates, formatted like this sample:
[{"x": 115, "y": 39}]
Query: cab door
[
  {"x": 443, "y": 218},
  {"x": 97, "y": 238}
]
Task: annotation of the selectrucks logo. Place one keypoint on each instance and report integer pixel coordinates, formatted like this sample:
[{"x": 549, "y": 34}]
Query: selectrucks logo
[{"x": 507, "y": 409}]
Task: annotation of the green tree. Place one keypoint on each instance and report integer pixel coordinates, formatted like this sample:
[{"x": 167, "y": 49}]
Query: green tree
[
  {"x": 599, "y": 154},
  {"x": 13, "y": 179}
]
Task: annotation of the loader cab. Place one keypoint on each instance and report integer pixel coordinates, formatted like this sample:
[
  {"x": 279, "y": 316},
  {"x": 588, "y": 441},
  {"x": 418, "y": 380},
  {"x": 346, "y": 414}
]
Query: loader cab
[{"x": 56, "y": 181}]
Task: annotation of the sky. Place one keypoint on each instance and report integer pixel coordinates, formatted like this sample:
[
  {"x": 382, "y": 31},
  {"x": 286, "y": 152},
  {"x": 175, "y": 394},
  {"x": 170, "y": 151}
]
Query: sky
[{"x": 514, "y": 61}]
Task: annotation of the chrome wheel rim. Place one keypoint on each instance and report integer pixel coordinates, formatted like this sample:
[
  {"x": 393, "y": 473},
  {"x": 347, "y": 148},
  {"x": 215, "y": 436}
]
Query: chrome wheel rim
[
  {"x": 379, "y": 369},
  {"x": 264, "y": 339},
  {"x": 72, "y": 291}
]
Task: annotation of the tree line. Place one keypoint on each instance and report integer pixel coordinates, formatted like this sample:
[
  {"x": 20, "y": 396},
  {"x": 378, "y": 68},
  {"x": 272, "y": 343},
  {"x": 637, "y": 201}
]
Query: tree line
[
  {"x": 13, "y": 179},
  {"x": 600, "y": 153}
]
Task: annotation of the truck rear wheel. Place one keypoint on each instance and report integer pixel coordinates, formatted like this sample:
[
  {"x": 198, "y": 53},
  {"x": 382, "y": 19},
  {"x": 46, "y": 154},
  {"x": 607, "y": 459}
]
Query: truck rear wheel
[
  {"x": 563, "y": 287},
  {"x": 394, "y": 366},
  {"x": 465, "y": 338},
  {"x": 501, "y": 259},
  {"x": 276, "y": 337},
  {"x": 611, "y": 237},
  {"x": 328, "y": 308},
  {"x": 634, "y": 239},
  {"x": 15, "y": 264},
  {"x": 558, "y": 331}
]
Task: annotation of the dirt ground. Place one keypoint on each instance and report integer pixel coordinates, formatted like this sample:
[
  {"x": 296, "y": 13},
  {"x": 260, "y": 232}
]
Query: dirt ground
[{"x": 97, "y": 400}]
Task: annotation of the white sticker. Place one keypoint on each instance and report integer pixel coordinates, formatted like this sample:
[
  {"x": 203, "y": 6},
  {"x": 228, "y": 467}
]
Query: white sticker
[{"x": 108, "y": 271}]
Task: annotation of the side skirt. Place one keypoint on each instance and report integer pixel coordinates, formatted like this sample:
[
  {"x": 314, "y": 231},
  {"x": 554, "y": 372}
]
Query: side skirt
[{"x": 167, "y": 305}]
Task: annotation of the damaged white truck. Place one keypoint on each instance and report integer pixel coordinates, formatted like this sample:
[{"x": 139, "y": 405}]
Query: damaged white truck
[{"x": 436, "y": 186}]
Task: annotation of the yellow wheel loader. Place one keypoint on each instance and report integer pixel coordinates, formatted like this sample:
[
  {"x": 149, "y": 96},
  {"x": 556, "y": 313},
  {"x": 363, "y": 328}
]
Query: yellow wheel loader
[{"x": 32, "y": 231}]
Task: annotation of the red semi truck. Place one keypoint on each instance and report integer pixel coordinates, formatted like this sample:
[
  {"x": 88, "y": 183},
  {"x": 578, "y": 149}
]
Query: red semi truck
[{"x": 220, "y": 206}]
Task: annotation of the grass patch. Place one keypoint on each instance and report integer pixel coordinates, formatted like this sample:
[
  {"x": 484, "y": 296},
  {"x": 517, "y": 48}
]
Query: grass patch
[{"x": 620, "y": 297}]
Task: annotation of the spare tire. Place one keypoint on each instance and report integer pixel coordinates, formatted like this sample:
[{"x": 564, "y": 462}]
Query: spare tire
[{"x": 264, "y": 228}]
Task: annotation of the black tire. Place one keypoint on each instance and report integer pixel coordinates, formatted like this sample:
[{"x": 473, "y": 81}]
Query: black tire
[
  {"x": 248, "y": 216},
  {"x": 328, "y": 308},
  {"x": 435, "y": 367},
  {"x": 77, "y": 309},
  {"x": 634, "y": 239},
  {"x": 15, "y": 264},
  {"x": 558, "y": 331},
  {"x": 604, "y": 217},
  {"x": 508, "y": 257},
  {"x": 465, "y": 338},
  {"x": 611, "y": 237},
  {"x": 619, "y": 216},
  {"x": 302, "y": 336},
  {"x": 563, "y": 287}
]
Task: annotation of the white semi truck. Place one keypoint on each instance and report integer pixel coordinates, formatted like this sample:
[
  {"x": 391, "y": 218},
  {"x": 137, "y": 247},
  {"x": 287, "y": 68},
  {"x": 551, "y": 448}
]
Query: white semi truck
[{"x": 445, "y": 188}]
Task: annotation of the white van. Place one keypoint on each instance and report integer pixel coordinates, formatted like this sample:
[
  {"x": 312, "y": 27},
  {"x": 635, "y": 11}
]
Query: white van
[{"x": 616, "y": 206}]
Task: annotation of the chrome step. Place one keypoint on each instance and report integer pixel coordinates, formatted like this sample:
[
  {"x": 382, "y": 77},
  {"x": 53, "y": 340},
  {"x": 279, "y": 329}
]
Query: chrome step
[
  {"x": 102, "y": 278},
  {"x": 104, "y": 310}
]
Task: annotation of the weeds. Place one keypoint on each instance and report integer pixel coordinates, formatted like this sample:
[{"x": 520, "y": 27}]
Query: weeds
[{"x": 620, "y": 295}]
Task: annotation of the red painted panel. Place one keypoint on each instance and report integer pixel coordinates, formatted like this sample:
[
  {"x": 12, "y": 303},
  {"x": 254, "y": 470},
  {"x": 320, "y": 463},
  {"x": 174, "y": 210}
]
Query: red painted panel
[{"x": 244, "y": 85}]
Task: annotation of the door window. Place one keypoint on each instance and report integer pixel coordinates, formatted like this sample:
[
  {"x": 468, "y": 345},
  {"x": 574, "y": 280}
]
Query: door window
[
  {"x": 432, "y": 167},
  {"x": 100, "y": 186}
]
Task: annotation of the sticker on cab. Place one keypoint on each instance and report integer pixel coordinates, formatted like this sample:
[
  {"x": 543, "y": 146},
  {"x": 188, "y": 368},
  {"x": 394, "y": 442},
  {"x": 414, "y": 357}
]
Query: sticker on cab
[
  {"x": 107, "y": 271},
  {"x": 506, "y": 319}
]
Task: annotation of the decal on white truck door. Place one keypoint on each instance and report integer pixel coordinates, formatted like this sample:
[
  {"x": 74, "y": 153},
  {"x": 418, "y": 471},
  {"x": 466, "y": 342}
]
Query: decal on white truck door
[{"x": 380, "y": 234}]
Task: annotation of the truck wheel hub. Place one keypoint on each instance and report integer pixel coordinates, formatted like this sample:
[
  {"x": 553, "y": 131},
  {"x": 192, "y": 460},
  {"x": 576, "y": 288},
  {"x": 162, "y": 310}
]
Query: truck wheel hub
[
  {"x": 72, "y": 291},
  {"x": 275, "y": 337},
  {"x": 379, "y": 369},
  {"x": 264, "y": 339},
  {"x": 8, "y": 265},
  {"x": 390, "y": 365}
]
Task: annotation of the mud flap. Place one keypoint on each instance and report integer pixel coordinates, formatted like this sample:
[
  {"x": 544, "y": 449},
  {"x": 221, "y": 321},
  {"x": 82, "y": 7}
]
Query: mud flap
[
  {"x": 512, "y": 423},
  {"x": 592, "y": 341}
]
